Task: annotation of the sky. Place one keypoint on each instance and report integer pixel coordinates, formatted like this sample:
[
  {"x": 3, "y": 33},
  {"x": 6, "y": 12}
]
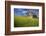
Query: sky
[{"x": 22, "y": 11}]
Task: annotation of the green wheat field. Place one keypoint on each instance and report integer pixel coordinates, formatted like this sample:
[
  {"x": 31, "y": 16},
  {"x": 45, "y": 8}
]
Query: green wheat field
[{"x": 25, "y": 21}]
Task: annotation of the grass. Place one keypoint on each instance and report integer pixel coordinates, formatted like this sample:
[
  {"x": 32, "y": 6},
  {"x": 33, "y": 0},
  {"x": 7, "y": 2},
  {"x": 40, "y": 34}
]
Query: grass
[{"x": 22, "y": 21}]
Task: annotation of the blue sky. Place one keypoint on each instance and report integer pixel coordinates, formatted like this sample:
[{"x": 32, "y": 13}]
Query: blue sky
[{"x": 22, "y": 12}]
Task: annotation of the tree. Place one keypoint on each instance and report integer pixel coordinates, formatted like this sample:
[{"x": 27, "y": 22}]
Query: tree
[{"x": 34, "y": 16}]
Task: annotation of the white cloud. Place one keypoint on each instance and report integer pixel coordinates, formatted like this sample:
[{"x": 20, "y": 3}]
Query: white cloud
[{"x": 24, "y": 12}]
